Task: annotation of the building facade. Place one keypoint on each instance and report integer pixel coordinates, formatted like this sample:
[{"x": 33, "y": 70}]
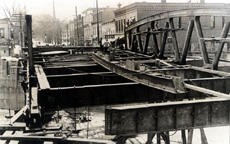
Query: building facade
[
  {"x": 87, "y": 24},
  {"x": 108, "y": 30},
  {"x": 90, "y": 23},
  {"x": 5, "y": 37}
]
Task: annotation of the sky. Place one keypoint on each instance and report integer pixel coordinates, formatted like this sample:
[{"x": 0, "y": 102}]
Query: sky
[{"x": 65, "y": 9}]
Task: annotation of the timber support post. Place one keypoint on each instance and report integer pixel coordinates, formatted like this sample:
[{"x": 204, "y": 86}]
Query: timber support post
[
  {"x": 150, "y": 137},
  {"x": 203, "y": 136},
  {"x": 158, "y": 138},
  {"x": 183, "y": 136},
  {"x": 190, "y": 135}
]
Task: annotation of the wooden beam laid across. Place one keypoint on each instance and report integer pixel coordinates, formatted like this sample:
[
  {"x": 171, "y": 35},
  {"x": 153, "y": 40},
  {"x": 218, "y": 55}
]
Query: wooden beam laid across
[
  {"x": 6, "y": 133},
  {"x": 55, "y": 139},
  {"x": 19, "y": 114},
  {"x": 42, "y": 79},
  {"x": 15, "y": 126}
]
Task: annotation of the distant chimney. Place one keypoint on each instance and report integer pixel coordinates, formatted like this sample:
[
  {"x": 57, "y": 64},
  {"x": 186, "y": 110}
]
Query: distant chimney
[
  {"x": 163, "y": 1},
  {"x": 119, "y": 5},
  {"x": 202, "y": 1},
  {"x": 189, "y": 1}
]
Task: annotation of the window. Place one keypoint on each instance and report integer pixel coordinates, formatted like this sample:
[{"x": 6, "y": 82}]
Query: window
[
  {"x": 212, "y": 21},
  {"x": 122, "y": 25},
  {"x": 116, "y": 26},
  {"x": 119, "y": 25},
  {"x": 2, "y": 35},
  {"x": 179, "y": 22}
]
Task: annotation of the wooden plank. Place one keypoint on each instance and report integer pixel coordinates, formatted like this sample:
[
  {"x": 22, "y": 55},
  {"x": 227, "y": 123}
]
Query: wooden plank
[
  {"x": 15, "y": 126},
  {"x": 6, "y": 133},
  {"x": 55, "y": 139},
  {"x": 48, "y": 142},
  {"x": 34, "y": 101},
  {"x": 15, "y": 141},
  {"x": 42, "y": 79}
]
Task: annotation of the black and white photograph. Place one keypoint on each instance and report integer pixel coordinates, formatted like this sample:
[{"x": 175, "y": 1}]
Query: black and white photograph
[{"x": 114, "y": 72}]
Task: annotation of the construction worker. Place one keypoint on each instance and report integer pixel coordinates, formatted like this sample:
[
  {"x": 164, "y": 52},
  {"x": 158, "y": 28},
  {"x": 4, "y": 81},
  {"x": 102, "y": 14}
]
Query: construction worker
[{"x": 106, "y": 45}]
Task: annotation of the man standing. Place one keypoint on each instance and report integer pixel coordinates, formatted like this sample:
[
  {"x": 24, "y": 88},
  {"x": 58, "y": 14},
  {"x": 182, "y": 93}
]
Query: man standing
[{"x": 106, "y": 45}]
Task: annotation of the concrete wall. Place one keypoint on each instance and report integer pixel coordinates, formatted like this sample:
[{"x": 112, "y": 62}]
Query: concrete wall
[{"x": 11, "y": 93}]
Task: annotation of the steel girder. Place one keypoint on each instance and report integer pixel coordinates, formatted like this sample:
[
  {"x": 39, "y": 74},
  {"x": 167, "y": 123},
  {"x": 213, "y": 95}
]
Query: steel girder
[{"x": 171, "y": 116}]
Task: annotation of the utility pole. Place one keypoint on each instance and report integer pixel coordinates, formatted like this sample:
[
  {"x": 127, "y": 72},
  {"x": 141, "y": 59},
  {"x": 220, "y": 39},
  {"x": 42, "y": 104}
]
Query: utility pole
[
  {"x": 98, "y": 32},
  {"x": 54, "y": 22},
  {"x": 21, "y": 31},
  {"x": 77, "y": 26},
  {"x": 67, "y": 35}
]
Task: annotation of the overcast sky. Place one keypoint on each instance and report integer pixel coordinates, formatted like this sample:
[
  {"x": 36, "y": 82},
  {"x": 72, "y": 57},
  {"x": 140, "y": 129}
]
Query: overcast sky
[{"x": 65, "y": 9}]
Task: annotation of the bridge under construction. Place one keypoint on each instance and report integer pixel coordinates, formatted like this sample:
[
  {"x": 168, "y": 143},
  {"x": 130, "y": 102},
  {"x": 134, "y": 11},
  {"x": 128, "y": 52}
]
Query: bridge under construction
[{"x": 140, "y": 89}]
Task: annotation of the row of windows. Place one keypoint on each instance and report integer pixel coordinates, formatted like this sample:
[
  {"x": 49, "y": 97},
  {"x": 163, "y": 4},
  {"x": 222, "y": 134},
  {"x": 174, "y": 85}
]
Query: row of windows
[
  {"x": 109, "y": 32},
  {"x": 65, "y": 35},
  {"x": 120, "y": 25}
]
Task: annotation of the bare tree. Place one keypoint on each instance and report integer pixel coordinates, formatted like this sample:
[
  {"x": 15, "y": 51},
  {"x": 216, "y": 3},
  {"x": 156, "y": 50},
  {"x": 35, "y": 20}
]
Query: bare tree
[
  {"x": 44, "y": 29},
  {"x": 15, "y": 7},
  {"x": 15, "y": 10}
]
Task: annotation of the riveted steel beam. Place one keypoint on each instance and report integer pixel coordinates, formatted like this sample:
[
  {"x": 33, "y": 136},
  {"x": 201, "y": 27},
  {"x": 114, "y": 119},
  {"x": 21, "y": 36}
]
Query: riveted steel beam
[{"x": 169, "y": 116}]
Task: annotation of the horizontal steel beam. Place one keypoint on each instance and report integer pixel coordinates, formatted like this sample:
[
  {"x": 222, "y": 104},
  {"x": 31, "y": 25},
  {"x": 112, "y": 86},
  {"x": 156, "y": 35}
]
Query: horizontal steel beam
[
  {"x": 180, "y": 13},
  {"x": 155, "y": 80},
  {"x": 82, "y": 79},
  {"x": 207, "y": 91},
  {"x": 106, "y": 94},
  {"x": 56, "y": 48},
  {"x": 81, "y": 68},
  {"x": 169, "y": 116}
]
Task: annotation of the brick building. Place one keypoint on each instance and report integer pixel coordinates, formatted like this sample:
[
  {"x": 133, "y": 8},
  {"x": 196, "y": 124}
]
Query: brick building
[
  {"x": 90, "y": 22},
  {"x": 5, "y": 37},
  {"x": 129, "y": 14}
]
